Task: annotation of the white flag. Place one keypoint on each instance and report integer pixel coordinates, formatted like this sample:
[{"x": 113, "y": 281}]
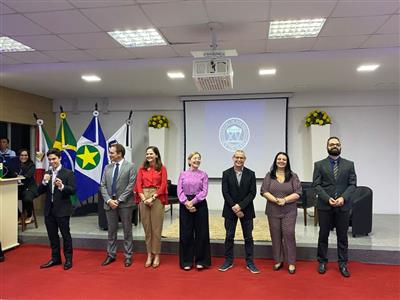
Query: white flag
[{"x": 123, "y": 136}]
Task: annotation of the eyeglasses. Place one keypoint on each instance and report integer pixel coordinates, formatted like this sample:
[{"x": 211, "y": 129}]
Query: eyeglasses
[{"x": 331, "y": 145}]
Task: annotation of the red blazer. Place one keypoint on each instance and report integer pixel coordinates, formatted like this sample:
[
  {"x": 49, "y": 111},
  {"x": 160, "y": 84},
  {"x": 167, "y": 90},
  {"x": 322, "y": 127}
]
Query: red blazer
[{"x": 151, "y": 178}]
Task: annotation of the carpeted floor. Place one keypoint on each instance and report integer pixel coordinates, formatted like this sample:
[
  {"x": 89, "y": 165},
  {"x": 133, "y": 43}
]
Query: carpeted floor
[
  {"x": 217, "y": 229},
  {"x": 21, "y": 278}
]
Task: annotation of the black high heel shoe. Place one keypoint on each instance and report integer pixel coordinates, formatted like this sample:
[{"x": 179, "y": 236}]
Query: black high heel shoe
[{"x": 277, "y": 267}]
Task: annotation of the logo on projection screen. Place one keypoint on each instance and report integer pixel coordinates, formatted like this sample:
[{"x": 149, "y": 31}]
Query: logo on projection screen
[{"x": 234, "y": 134}]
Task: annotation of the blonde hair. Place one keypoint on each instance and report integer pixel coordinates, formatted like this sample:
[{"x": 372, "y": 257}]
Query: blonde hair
[{"x": 191, "y": 155}]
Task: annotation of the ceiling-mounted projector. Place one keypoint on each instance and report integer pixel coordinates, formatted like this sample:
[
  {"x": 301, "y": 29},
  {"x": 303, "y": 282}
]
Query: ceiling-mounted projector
[{"x": 213, "y": 74}]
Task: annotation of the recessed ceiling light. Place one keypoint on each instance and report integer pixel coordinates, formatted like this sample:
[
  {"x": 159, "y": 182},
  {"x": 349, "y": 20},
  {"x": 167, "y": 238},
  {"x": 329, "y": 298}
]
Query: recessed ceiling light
[
  {"x": 267, "y": 72},
  {"x": 10, "y": 45},
  {"x": 367, "y": 68},
  {"x": 176, "y": 75},
  {"x": 91, "y": 78},
  {"x": 295, "y": 28},
  {"x": 138, "y": 38}
]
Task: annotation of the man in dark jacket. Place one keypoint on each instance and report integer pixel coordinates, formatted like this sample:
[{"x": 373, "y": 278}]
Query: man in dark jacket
[
  {"x": 59, "y": 184},
  {"x": 334, "y": 180}
]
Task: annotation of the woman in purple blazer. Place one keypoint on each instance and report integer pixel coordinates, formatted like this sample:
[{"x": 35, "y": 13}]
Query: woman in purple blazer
[{"x": 194, "y": 237}]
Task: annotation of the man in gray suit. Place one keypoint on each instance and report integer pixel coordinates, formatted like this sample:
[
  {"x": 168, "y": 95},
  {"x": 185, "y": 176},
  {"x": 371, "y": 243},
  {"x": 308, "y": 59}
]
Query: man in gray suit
[
  {"x": 117, "y": 191},
  {"x": 334, "y": 180}
]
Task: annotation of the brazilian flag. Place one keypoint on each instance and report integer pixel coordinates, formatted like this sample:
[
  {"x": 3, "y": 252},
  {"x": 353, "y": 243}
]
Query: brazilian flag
[{"x": 66, "y": 142}]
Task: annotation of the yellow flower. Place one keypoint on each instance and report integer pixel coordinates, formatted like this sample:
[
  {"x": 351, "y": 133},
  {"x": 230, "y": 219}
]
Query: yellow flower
[
  {"x": 308, "y": 119},
  {"x": 324, "y": 117},
  {"x": 321, "y": 122},
  {"x": 315, "y": 114}
]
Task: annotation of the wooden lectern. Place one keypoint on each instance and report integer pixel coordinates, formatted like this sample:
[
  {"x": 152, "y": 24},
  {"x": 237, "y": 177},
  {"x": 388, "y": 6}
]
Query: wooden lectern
[{"x": 9, "y": 212}]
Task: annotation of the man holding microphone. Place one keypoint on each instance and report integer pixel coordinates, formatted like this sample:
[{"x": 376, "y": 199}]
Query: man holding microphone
[{"x": 59, "y": 184}]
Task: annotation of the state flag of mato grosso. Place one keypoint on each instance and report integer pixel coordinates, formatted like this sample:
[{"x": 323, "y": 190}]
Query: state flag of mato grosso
[{"x": 91, "y": 158}]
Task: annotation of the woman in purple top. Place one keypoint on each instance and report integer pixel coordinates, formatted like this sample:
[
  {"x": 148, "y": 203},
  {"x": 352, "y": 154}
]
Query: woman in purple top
[
  {"x": 194, "y": 237},
  {"x": 281, "y": 187}
]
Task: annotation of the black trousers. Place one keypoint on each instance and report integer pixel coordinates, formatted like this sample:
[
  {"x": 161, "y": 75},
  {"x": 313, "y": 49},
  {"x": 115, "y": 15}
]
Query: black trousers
[
  {"x": 26, "y": 197},
  {"x": 194, "y": 236},
  {"x": 328, "y": 219},
  {"x": 54, "y": 223},
  {"x": 247, "y": 229}
]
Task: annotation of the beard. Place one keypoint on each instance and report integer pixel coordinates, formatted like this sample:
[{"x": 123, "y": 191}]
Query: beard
[{"x": 334, "y": 151}]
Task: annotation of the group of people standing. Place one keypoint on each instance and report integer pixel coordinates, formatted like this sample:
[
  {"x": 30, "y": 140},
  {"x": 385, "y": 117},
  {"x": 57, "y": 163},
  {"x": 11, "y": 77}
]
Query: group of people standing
[{"x": 334, "y": 180}]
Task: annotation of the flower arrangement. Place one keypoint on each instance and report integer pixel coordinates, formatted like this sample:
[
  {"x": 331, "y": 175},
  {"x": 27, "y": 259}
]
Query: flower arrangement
[
  {"x": 158, "y": 122},
  {"x": 317, "y": 117}
]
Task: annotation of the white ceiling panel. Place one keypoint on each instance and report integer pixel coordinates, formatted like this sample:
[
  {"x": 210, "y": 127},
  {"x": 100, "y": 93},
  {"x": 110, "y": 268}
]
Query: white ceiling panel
[
  {"x": 100, "y": 3},
  {"x": 176, "y": 13},
  {"x": 365, "y": 8},
  {"x": 382, "y": 40},
  {"x": 290, "y": 45},
  {"x": 32, "y": 57},
  {"x": 68, "y": 21},
  {"x": 5, "y": 60},
  {"x": 187, "y": 34},
  {"x": 339, "y": 42},
  {"x": 391, "y": 26},
  {"x": 184, "y": 49},
  {"x": 352, "y": 26},
  {"x": 71, "y": 55},
  {"x": 111, "y": 54},
  {"x": 258, "y": 46},
  {"x": 243, "y": 31},
  {"x": 44, "y": 42},
  {"x": 153, "y": 52},
  {"x": 237, "y": 11},
  {"x": 93, "y": 40},
  {"x": 5, "y": 9},
  {"x": 283, "y": 10},
  {"x": 19, "y": 25},
  {"x": 118, "y": 18},
  {"x": 38, "y": 5}
]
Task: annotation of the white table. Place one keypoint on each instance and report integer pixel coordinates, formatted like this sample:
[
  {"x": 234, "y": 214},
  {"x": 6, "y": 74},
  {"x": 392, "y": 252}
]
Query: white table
[{"x": 8, "y": 212}]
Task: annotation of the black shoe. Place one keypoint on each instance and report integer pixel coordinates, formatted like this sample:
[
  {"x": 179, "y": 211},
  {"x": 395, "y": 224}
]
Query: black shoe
[
  {"x": 50, "y": 263},
  {"x": 108, "y": 261},
  {"x": 68, "y": 265},
  {"x": 277, "y": 267},
  {"x": 128, "y": 262},
  {"x": 322, "y": 268},
  {"x": 292, "y": 271},
  {"x": 2, "y": 258},
  {"x": 344, "y": 271}
]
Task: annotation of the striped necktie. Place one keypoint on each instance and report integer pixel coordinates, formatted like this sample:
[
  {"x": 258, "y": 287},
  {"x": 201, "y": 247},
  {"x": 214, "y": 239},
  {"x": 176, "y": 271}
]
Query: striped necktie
[{"x": 335, "y": 169}]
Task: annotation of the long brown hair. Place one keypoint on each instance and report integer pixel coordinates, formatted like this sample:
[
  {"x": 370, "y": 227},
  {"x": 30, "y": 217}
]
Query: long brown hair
[{"x": 158, "y": 163}]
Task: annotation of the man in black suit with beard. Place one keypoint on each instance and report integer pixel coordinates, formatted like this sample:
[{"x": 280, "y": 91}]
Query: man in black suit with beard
[
  {"x": 239, "y": 190},
  {"x": 59, "y": 184},
  {"x": 334, "y": 180}
]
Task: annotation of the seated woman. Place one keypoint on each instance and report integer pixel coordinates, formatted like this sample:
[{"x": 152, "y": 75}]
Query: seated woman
[
  {"x": 27, "y": 191},
  {"x": 281, "y": 188}
]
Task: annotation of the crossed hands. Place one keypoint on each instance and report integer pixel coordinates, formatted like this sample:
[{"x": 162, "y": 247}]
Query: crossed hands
[
  {"x": 238, "y": 211},
  {"x": 190, "y": 207},
  {"x": 113, "y": 203},
  {"x": 280, "y": 201},
  {"x": 336, "y": 203}
]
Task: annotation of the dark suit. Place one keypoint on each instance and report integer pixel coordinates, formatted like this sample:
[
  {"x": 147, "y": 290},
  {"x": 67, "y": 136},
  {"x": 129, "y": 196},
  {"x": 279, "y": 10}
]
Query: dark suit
[
  {"x": 57, "y": 212},
  {"x": 327, "y": 187},
  {"x": 243, "y": 195}
]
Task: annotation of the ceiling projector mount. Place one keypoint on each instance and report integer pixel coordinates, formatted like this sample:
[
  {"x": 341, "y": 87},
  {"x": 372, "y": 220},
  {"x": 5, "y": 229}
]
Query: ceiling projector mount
[{"x": 212, "y": 71}]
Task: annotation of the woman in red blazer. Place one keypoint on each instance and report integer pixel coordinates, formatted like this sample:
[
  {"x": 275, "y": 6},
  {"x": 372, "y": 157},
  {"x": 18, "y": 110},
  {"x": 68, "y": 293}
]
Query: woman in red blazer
[{"x": 151, "y": 195}]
